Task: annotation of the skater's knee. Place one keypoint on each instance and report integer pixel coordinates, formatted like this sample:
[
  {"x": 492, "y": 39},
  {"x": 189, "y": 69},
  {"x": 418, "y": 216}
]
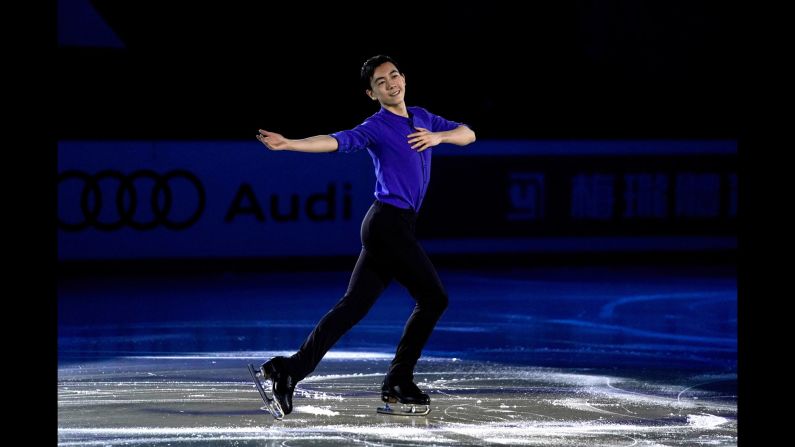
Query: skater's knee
[
  {"x": 437, "y": 303},
  {"x": 443, "y": 301},
  {"x": 350, "y": 311},
  {"x": 357, "y": 316}
]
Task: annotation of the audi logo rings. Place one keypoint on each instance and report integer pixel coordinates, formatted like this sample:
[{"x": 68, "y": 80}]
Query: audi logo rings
[{"x": 91, "y": 200}]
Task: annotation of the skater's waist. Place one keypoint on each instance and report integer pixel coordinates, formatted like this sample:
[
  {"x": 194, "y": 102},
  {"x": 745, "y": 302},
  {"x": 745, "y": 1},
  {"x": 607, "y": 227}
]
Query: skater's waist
[{"x": 387, "y": 206}]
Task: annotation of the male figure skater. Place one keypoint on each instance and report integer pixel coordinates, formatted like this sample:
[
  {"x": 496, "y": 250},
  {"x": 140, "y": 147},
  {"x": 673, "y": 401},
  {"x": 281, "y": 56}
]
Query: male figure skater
[{"x": 397, "y": 138}]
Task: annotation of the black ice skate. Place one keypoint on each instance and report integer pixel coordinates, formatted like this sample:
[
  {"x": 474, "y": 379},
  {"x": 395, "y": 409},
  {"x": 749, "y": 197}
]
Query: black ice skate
[
  {"x": 414, "y": 402},
  {"x": 276, "y": 380}
]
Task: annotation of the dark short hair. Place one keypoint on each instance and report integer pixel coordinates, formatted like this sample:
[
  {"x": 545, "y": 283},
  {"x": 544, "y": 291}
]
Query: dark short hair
[{"x": 371, "y": 64}]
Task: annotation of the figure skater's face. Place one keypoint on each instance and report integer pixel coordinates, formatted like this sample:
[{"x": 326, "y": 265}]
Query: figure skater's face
[{"x": 388, "y": 86}]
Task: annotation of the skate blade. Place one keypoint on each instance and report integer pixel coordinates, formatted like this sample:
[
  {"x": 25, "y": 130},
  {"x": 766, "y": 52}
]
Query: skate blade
[
  {"x": 272, "y": 406},
  {"x": 405, "y": 410}
]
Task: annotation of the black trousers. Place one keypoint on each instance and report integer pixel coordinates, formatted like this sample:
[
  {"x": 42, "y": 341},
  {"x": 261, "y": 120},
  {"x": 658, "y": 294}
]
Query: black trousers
[{"x": 389, "y": 251}]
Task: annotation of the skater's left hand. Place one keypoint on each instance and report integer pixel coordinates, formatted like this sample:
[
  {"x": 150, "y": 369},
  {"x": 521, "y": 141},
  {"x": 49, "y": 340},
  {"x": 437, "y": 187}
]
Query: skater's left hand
[{"x": 423, "y": 139}]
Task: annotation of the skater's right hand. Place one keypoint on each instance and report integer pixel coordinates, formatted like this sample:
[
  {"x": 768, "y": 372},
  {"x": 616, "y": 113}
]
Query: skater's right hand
[{"x": 272, "y": 140}]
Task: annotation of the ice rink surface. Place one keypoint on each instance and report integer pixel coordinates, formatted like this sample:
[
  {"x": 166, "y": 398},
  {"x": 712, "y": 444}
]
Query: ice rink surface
[{"x": 598, "y": 356}]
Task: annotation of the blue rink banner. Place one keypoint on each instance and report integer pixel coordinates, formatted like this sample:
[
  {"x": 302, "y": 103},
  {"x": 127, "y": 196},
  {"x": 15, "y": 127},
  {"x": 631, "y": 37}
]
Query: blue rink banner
[{"x": 171, "y": 199}]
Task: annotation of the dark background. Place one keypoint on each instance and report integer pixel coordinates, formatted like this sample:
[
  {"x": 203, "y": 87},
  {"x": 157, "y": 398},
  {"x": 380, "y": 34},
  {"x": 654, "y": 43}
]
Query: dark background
[{"x": 537, "y": 70}]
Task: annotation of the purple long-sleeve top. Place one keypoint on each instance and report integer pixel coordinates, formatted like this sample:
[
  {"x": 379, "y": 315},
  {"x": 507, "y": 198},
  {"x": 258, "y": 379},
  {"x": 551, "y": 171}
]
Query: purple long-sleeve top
[{"x": 402, "y": 174}]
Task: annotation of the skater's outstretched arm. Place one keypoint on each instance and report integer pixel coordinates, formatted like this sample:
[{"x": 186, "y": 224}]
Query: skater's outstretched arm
[{"x": 277, "y": 142}]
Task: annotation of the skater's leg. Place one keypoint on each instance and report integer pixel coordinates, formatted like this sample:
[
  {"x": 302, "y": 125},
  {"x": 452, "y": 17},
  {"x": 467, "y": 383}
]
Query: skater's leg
[
  {"x": 369, "y": 278},
  {"x": 368, "y": 281},
  {"x": 414, "y": 270}
]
